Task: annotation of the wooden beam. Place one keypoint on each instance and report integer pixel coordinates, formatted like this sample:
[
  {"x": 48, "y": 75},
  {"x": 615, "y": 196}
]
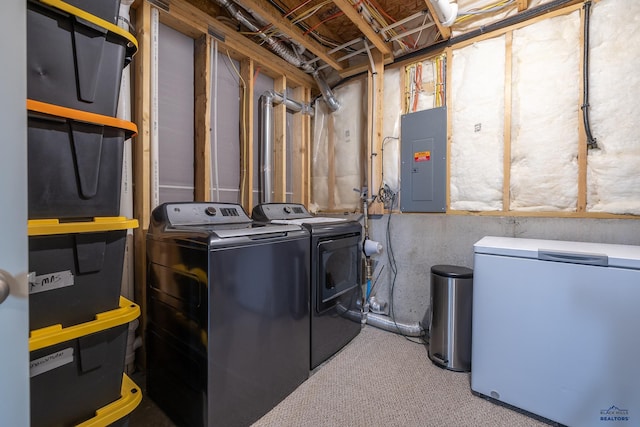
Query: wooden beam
[
  {"x": 193, "y": 22},
  {"x": 375, "y": 148},
  {"x": 202, "y": 110},
  {"x": 246, "y": 133},
  {"x": 141, "y": 160},
  {"x": 363, "y": 68},
  {"x": 264, "y": 9},
  {"x": 506, "y": 178},
  {"x": 299, "y": 150},
  {"x": 448, "y": 68},
  {"x": 331, "y": 160},
  {"x": 445, "y": 32},
  {"x": 305, "y": 144},
  {"x": 352, "y": 13},
  {"x": 582, "y": 133},
  {"x": 280, "y": 144},
  {"x": 522, "y": 5}
]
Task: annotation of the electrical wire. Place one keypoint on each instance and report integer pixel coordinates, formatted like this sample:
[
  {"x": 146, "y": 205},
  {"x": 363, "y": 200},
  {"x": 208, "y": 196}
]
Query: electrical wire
[
  {"x": 394, "y": 270},
  {"x": 244, "y": 143},
  {"x": 464, "y": 16},
  {"x": 591, "y": 141}
]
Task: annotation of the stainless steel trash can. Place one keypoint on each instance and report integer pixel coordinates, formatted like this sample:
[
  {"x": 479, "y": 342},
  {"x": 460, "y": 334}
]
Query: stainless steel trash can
[{"x": 450, "y": 319}]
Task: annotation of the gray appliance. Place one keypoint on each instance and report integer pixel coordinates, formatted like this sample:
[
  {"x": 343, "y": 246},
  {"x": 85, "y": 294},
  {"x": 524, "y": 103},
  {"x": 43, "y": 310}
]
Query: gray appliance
[
  {"x": 227, "y": 313},
  {"x": 336, "y": 258},
  {"x": 555, "y": 329}
]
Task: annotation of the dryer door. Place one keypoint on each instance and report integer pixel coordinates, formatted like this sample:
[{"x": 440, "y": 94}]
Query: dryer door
[{"x": 338, "y": 269}]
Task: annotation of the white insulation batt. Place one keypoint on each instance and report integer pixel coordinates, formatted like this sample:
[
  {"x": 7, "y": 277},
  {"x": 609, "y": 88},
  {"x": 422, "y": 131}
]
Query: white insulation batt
[
  {"x": 477, "y": 140},
  {"x": 613, "y": 170},
  {"x": 544, "y": 117},
  {"x": 391, "y": 129},
  {"x": 348, "y": 138}
]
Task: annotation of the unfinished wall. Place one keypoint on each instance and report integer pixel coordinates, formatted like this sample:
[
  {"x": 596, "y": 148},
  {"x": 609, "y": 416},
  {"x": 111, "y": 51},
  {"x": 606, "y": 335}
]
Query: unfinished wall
[
  {"x": 544, "y": 115},
  {"x": 338, "y": 139},
  {"x": 477, "y": 126},
  {"x": 613, "y": 180},
  {"x": 420, "y": 241},
  {"x": 225, "y": 132},
  {"x": 391, "y": 130},
  {"x": 175, "y": 115}
]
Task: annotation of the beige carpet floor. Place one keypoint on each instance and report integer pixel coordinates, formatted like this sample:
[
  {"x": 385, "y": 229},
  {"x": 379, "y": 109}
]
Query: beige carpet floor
[{"x": 382, "y": 379}]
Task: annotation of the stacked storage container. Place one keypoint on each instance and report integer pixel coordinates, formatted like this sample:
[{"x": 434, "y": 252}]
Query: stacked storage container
[{"x": 78, "y": 321}]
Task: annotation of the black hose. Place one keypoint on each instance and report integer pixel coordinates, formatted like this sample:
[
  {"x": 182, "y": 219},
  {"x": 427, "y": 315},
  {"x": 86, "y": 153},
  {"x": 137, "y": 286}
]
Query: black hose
[{"x": 591, "y": 141}]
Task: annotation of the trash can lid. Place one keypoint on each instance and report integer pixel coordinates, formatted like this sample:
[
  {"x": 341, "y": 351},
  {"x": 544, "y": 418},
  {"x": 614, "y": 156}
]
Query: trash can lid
[{"x": 454, "y": 271}]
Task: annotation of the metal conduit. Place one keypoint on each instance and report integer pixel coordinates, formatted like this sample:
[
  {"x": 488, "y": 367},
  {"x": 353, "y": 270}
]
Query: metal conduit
[
  {"x": 265, "y": 141},
  {"x": 284, "y": 52}
]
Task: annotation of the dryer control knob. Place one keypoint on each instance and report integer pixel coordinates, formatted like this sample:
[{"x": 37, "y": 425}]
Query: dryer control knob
[
  {"x": 287, "y": 209},
  {"x": 210, "y": 210}
]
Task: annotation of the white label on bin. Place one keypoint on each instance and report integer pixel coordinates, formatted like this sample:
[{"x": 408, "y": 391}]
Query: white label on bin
[
  {"x": 50, "y": 281},
  {"x": 52, "y": 361}
]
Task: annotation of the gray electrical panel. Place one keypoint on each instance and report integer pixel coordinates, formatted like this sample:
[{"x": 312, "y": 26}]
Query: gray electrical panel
[{"x": 423, "y": 171}]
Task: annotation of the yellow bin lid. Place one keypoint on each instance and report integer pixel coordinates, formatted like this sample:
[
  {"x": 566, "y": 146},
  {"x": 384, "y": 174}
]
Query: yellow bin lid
[
  {"x": 55, "y": 334},
  {"x": 82, "y": 14},
  {"x": 131, "y": 396},
  {"x": 41, "y": 227}
]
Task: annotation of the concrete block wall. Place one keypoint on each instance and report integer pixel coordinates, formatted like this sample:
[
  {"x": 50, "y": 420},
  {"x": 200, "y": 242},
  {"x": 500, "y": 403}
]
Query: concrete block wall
[{"x": 420, "y": 241}]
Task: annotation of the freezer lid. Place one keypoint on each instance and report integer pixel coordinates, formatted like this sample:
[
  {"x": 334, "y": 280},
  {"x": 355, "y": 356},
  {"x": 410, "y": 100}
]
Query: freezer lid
[{"x": 604, "y": 254}]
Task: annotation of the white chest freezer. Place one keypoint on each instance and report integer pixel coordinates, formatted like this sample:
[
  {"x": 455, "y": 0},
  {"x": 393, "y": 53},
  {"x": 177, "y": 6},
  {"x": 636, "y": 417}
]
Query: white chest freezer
[{"x": 556, "y": 329}]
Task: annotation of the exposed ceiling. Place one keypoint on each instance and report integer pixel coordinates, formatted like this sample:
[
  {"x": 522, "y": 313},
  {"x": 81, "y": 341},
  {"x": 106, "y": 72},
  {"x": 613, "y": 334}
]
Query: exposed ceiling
[{"x": 333, "y": 36}]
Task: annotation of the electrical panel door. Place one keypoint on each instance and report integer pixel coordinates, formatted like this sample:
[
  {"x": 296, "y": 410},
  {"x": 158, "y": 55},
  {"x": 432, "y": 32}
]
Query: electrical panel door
[{"x": 424, "y": 161}]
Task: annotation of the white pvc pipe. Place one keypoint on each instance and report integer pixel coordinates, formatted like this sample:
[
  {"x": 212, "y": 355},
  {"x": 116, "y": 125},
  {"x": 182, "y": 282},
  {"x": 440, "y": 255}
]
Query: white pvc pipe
[{"x": 154, "y": 145}]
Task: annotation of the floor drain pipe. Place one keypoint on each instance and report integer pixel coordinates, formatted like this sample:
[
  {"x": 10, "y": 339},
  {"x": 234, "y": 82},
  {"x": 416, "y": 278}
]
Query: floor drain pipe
[{"x": 388, "y": 324}]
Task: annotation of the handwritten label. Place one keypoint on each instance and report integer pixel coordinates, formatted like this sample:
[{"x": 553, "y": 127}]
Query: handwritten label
[
  {"x": 51, "y": 361},
  {"x": 50, "y": 281}
]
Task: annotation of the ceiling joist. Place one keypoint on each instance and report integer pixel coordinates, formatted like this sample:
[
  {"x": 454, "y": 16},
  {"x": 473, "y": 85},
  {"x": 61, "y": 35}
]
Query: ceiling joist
[
  {"x": 262, "y": 8},
  {"x": 366, "y": 29},
  {"x": 445, "y": 32}
]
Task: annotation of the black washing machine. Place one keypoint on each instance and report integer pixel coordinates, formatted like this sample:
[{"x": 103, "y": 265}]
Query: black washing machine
[
  {"x": 227, "y": 329},
  {"x": 336, "y": 256}
]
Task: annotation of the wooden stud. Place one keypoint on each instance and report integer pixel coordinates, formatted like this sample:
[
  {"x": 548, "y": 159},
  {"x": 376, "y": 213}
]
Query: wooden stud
[
  {"x": 280, "y": 144},
  {"x": 246, "y": 133},
  {"x": 375, "y": 149},
  {"x": 363, "y": 67},
  {"x": 506, "y": 179},
  {"x": 141, "y": 159},
  {"x": 306, "y": 144},
  {"x": 300, "y": 151},
  {"x": 449, "y": 106},
  {"x": 202, "y": 110},
  {"x": 582, "y": 134},
  {"x": 331, "y": 170}
]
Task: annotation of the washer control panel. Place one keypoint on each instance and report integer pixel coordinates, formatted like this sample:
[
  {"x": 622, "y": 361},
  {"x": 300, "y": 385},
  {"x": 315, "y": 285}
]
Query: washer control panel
[
  {"x": 199, "y": 213},
  {"x": 277, "y": 211}
]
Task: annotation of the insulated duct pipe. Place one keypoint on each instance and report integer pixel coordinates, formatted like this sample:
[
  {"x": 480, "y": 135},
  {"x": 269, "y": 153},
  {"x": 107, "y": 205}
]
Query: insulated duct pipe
[
  {"x": 283, "y": 51},
  {"x": 447, "y": 12},
  {"x": 265, "y": 124},
  {"x": 388, "y": 324}
]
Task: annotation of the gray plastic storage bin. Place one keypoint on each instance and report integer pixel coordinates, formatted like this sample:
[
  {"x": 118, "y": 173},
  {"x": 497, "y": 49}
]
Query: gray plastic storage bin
[
  {"x": 450, "y": 321},
  {"x": 75, "y": 162},
  {"x": 73, "y": 62}
]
